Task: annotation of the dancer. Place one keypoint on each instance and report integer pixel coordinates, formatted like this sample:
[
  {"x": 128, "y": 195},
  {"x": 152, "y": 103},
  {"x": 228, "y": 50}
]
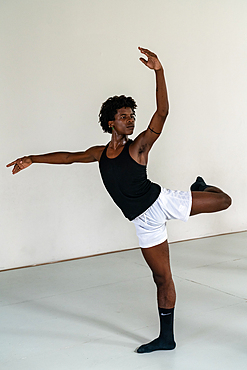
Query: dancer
[{"x": 122, "y": 164}]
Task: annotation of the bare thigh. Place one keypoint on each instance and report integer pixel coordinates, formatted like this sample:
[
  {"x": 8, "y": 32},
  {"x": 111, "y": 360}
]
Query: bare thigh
[
  {"x": 208, "y": 202},
  {"x": 158, "y": 259}
]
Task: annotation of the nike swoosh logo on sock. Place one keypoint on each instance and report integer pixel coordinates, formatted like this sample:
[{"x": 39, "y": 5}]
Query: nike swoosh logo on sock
[{"x": 165, "y": 314}]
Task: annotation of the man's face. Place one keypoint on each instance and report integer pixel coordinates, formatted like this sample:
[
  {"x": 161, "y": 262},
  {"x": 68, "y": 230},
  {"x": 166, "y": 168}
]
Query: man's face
[{"x": 124, "y": 122}]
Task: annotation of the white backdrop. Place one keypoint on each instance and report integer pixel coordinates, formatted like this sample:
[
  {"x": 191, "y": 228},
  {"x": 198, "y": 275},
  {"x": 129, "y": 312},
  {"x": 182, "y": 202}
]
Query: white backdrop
[{"x": 60, "y": 60}]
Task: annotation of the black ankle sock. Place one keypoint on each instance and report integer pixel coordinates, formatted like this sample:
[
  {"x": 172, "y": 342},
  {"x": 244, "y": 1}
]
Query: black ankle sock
[
  {"x": 165, "y": 341},
  {"x": 199, "y": 185}
]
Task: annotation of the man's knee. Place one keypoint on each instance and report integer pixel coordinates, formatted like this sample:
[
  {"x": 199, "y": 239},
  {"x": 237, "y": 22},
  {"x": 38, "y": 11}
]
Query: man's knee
[
  {"x": 163, "y": 280},
  {"x": 226, "y": 201}
]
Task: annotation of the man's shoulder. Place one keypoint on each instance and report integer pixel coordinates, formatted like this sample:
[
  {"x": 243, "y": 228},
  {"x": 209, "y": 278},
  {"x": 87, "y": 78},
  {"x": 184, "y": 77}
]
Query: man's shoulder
[{"x": 97, "y": 151}]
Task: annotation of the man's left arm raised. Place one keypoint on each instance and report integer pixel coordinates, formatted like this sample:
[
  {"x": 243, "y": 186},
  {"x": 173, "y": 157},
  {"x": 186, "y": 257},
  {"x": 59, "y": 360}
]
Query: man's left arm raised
[{"x": 151, "y": 134}]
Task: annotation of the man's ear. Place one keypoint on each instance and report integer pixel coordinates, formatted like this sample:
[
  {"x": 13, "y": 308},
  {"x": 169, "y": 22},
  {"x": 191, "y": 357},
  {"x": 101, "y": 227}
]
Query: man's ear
[{"x": 110, "y": 123}]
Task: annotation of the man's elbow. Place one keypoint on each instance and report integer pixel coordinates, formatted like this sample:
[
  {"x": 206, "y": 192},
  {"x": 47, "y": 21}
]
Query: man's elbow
[
  {"x": 163, "y": 113},
  {"x": 69, "y": 158}
]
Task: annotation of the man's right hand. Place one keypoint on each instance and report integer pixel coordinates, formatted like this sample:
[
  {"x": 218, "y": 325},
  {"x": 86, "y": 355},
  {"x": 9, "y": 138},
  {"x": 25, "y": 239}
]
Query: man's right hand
[{"x": 20, "y": 164}]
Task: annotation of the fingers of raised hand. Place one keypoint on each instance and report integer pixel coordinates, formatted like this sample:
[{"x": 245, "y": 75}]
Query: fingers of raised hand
[
  {"x": 147, "y": 52},
  {"x": 152, "y": 62},
  {"x": 143, "y": 61}
]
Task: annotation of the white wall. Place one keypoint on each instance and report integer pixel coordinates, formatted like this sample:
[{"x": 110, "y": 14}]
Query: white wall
[{"x": 60, "y": 60}]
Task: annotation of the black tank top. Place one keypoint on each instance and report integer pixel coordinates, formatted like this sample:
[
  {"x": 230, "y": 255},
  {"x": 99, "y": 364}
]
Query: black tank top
[{"x": 126, "y": 182}]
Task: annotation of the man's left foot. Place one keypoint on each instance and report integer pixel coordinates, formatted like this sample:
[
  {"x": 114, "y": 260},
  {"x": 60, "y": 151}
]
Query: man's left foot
[{"x": 158, "y": 344}]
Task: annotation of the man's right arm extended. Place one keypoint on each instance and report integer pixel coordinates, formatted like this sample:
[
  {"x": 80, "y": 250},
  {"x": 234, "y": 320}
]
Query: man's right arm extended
[{"x": 90, "y": 155}]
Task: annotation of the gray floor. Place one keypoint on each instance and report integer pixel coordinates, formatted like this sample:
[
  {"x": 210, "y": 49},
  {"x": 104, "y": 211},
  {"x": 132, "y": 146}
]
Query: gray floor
[{"x": 92, "y": 313}]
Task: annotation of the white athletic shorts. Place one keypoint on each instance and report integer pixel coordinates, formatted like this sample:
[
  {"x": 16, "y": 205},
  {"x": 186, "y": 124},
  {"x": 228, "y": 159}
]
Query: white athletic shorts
[{"x": 151, "y": 225}]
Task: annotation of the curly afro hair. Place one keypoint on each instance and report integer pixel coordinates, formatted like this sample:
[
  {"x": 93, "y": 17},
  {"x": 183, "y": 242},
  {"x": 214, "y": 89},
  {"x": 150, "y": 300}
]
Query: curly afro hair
[{"x": 109, "y": 109}]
